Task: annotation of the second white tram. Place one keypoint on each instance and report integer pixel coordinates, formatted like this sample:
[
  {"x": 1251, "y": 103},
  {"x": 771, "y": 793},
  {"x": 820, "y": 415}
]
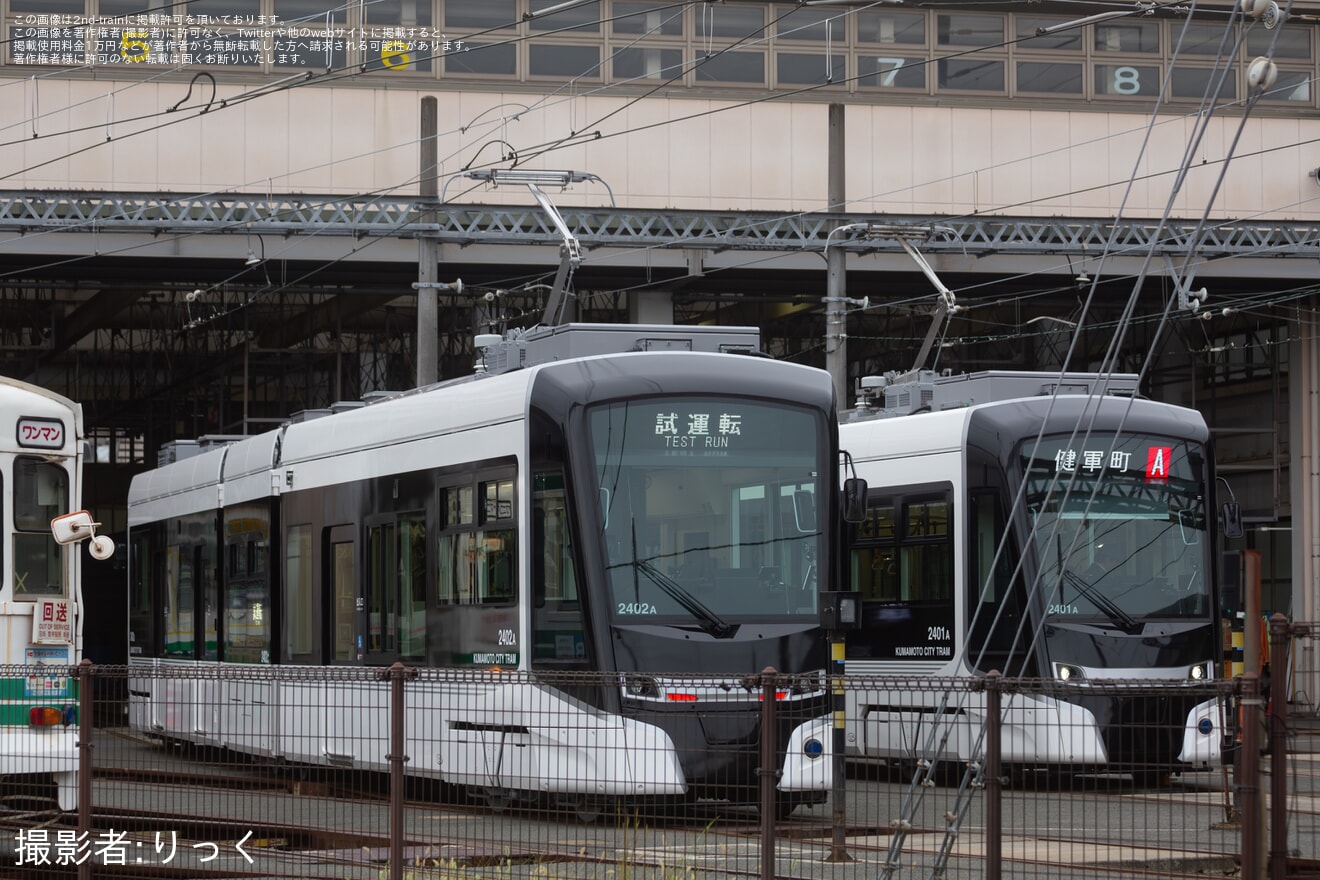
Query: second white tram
[
  {"x": 649, "y": 502},
  {"x": 993, "y": 499}
]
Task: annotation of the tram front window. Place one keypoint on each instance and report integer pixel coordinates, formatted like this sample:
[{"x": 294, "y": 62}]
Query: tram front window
[
  {"x": 41, "y": 493},
  {"x": 1120, "y": 528},
  {"x": 709, "y": 510}
]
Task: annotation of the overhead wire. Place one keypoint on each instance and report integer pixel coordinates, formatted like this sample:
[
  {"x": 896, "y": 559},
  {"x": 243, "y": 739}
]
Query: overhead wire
[{"x": 759, "y": 29}]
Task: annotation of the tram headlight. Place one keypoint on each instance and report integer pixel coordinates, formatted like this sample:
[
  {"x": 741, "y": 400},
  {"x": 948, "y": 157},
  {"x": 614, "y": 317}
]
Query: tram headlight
[
  {"x": 813, "y": 748},
  {"x": 807, "y": 683},
  {"x": 1199, "y": 672},
  {"x": 641, "y": 686},
  {"x": 1066, "y": 672}
]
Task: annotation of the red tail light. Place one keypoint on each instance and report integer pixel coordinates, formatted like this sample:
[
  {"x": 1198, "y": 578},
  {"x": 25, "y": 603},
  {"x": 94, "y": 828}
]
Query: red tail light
[{"x": 44, "y": 716}]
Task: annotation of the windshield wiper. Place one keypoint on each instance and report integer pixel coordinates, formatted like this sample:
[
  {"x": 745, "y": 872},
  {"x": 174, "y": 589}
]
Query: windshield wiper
[
  {"x": 1117, "y": 616},
  {"x": 710, "y": 621}
]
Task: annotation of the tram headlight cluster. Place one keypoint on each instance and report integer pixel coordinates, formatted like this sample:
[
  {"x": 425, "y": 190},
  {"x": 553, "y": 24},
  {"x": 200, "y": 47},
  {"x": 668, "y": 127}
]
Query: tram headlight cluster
[
  {"x": 641, "y": 686},
  {"x": 1066, "y": 672},
  {"x": 807, "y": 683},
  {"x": 1200, "y": 672}
]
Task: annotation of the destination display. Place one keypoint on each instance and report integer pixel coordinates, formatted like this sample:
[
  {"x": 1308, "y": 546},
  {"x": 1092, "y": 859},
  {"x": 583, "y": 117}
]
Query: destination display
[
  {"x": 34, "y": 433},
  {"x": 696, "y": 427}
]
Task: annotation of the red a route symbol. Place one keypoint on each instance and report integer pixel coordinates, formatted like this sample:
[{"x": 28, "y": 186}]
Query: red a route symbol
[{"x": 1158, "y": 459}]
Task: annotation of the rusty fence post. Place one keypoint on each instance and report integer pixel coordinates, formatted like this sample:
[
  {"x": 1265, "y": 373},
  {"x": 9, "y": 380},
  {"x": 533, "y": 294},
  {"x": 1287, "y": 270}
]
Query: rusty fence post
[
  {"x": 768, "y": 772},
  {"x": 1249, "y": 777},
  {"x": 1278, "y": 708},
  {"x": 398, "y": 781},
  {"x": 838, "y": 752},
  {"x": 86, "y": 729},
  {"x": 993, "y": 774}
]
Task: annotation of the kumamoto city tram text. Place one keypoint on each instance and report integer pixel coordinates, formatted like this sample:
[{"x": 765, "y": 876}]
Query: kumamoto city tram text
[{"x": 650, "y": 501}]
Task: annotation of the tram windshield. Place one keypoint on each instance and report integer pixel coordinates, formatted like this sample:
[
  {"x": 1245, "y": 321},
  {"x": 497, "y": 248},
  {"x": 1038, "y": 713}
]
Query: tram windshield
[
  {"x": 709, "y": 509},
  {"x": 1119, "y": 526}
]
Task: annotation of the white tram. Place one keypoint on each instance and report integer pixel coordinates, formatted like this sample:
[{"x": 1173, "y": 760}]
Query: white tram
[
  {"x": 41, "y": 457},
  {"x": 992, "y": 499},
  {"x": 656, "y": 502}
]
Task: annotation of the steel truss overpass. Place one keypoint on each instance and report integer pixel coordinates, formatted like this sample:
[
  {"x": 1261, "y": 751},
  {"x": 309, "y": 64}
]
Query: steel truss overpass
[
  {"x": 163, "y": 214},
  {"x": 183, "y": 314}
]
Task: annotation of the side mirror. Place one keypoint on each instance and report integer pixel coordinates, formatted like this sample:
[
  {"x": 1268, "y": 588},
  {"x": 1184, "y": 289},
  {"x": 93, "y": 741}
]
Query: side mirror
[
  {"x": 101, "y": 548},
  {"x": 78, "y": 526},
  {"x": 854, "y": 500},
  {"x": 73, "y": 527},
  {"x": 1231, "y": 518}
]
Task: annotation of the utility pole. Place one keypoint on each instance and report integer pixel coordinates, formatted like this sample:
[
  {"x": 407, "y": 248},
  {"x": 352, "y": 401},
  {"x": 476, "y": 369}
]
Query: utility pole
[
  {"x": 836, "y": 321},
  {"x": 428, "y": 298}
]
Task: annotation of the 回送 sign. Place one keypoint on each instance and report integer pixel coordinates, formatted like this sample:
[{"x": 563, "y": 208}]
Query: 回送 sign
[{"x": 52, "y": 622}]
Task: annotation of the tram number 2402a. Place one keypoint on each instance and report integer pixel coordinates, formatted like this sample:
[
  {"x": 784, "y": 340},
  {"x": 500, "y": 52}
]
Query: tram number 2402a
[{"x": 637, "y": 608}]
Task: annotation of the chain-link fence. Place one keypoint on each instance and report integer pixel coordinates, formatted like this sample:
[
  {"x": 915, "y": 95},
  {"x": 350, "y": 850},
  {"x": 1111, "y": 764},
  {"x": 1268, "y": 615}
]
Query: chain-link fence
[{"x": 204, "y": 771}]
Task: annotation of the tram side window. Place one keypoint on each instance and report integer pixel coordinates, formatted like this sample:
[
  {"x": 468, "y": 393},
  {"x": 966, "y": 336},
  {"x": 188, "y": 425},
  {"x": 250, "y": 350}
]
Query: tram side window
[
  {"x": 189, "y": 600},
  {"x": 477, "y": 560},
  {"x": 996, "y": 603},
  {"x": 559, "y": 637},
  {"x": 141, "y": 608},
  {"x": 381, "y": 598},
  {"x": 41, "y": 492},
  {"x": 926, "y": 559},
  {"x": 903, "y": 552},
  {"x": 555, "y": 574},
  {"x": 343, "y": 593},
  {"x": 299, "y": 607},
  {"x": 247, "y": 603},
  {"x": 396, "y": 588},
  {"x": 875, "y": 556},
  {"x": 412, "y": 586},
  {"x": 902, "y": 563}
]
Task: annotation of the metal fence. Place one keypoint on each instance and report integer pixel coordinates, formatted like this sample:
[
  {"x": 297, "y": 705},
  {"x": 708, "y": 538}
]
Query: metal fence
[{"x": 398, "y": 773}]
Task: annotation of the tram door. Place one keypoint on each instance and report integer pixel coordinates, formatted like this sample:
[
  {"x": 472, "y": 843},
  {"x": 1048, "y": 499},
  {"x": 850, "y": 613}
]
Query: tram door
[
  {"x": 206, "y": 637},
  {"x": 380, "y": 593},
  {"x": 345, "y": 640},
  {"x": 349, "y": 708}
]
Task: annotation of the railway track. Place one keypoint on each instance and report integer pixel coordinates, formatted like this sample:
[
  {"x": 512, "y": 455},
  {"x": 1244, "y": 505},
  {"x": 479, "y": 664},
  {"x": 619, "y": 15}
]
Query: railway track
[
  {"x": 328, "y": 824},
  {"x": 312, "y": 840}
]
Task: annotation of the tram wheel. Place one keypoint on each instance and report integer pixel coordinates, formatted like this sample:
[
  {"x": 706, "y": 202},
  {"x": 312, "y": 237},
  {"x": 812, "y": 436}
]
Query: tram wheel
[{"x": 587, "y": 809}]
